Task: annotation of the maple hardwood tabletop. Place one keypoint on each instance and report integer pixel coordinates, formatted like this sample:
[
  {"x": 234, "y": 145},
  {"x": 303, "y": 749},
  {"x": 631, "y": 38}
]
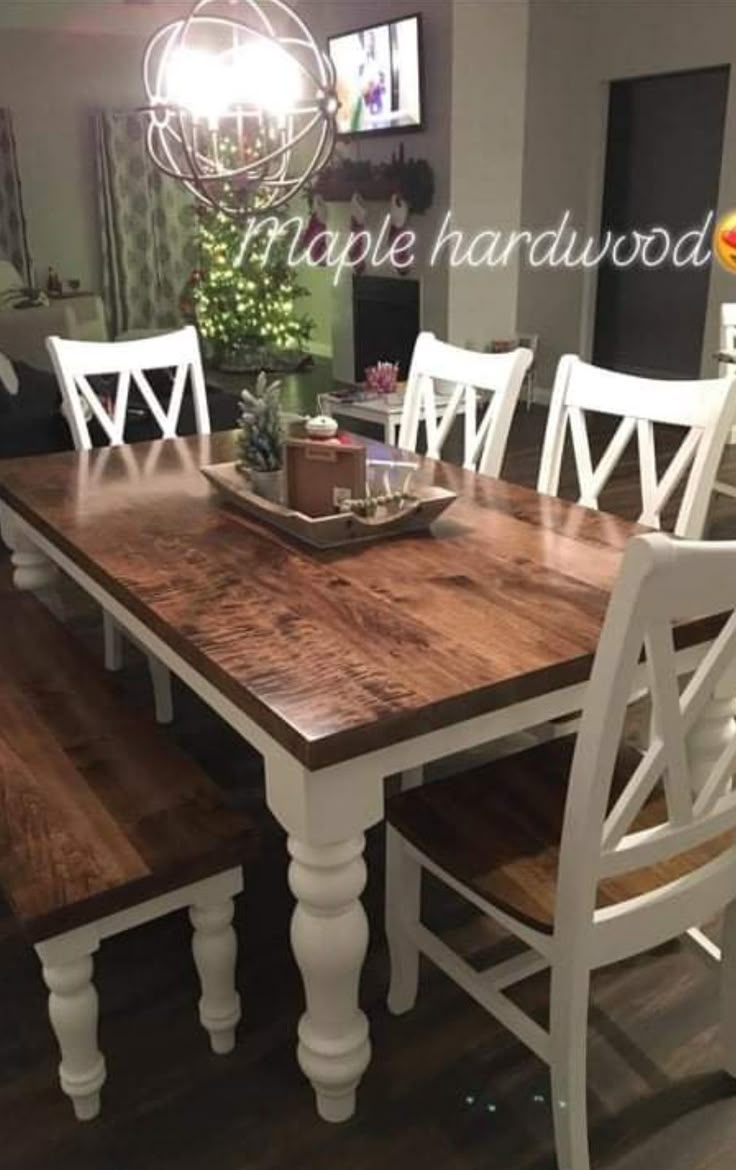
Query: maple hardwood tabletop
[{"x": 335, "y": 653}]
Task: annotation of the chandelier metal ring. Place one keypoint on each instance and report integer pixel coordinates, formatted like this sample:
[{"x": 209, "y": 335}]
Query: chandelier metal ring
[{"x": 241, "y": 102}]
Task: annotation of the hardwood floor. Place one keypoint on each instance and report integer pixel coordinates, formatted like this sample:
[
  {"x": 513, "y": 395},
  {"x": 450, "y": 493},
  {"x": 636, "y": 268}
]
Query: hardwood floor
[{"x": 448, "y": 1089}]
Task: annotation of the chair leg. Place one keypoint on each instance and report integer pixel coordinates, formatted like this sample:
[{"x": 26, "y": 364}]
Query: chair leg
[
  {"x": 569, "y": 1043},
  {"x": 728, "y": 989},
  {"x": 162, "y": 697},
  {"x": 73, "y": 1012},
  {"x": 113, "y": 643},
  {"x": 215, "y": 949},
  {"x": 411, "y": 778},
  {"x": 403, "y": 906}
]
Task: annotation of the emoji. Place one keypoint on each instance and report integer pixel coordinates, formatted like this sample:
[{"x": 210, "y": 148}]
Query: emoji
[{"x": 724, "y": 241}]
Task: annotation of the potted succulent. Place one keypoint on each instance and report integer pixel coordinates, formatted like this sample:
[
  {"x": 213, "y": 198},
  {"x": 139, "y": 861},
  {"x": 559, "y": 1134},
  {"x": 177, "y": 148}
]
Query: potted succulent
[{"x": 261, "y": 439}]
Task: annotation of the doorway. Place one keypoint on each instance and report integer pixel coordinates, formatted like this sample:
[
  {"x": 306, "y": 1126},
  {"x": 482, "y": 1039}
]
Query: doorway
[{"x": 663, "y": 165}]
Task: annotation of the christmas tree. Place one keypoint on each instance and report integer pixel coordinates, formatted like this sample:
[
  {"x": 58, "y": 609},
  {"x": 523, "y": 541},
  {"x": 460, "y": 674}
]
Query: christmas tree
[{"x": 245, "y": 312}]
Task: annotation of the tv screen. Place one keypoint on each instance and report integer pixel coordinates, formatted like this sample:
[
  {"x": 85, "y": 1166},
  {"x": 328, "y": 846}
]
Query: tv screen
[{"x": 378, "y": 77}]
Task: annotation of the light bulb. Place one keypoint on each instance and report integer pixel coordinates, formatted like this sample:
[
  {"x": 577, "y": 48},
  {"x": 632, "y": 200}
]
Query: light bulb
[
  {"x": 196, "y": 81},
  {"x": 264, "y": 75}
]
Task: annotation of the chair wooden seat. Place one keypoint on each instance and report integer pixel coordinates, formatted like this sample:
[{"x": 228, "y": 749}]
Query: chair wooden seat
[
  {"x": 497, "y": 830},
  {"x": 104, "y": 824}
]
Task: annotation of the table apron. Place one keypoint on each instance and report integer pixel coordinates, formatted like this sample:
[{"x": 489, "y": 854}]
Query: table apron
[{"x": 413, "y": 752}]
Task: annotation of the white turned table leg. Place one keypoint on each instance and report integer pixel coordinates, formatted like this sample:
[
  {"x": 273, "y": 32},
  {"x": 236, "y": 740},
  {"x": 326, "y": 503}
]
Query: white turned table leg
[
  {"x": 33, "y": 572},
  {"x": 7, "y": 533},
  {"x": 215, "y": 949},
  {"x": 73, "y": 1012},
  {"x": 713, "y": 730},
  {"x": 329, "y": 935}
]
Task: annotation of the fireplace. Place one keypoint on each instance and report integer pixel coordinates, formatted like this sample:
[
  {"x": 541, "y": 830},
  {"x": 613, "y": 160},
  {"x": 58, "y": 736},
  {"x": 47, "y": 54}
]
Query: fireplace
[{"x": 385, "y": 321}]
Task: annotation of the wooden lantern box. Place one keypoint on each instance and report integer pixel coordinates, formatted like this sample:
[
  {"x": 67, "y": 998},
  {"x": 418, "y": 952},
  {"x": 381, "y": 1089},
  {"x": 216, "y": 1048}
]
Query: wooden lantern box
[{"x": 320, "y": 475}]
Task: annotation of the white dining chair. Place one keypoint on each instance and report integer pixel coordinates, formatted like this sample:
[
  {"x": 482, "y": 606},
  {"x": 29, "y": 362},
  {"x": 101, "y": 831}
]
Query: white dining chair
[
  {"x": 585, "y": 852},
  {"x": 465, "y": 378},
  {"x": 726, "y": 366},
  {"x": 74, "y": 363},
  {"x": 707, "y": 408}
]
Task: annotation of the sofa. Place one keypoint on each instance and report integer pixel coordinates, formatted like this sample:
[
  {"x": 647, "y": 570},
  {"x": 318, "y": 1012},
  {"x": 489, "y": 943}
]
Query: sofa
[{"x": 23, "y": 331}]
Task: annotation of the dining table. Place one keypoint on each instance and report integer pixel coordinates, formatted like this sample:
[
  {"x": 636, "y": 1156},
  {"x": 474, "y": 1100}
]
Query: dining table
[{"x": 342, "y": 667}]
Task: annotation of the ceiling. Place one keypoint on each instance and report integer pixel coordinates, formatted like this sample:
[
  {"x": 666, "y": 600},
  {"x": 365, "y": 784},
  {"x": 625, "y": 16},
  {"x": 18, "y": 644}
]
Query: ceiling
[{"x": 90, "y": 16}]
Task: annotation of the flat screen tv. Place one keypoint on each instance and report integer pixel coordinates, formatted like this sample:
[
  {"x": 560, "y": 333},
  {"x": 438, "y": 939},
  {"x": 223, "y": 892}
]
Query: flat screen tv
[{"x": 379, "y": 82}]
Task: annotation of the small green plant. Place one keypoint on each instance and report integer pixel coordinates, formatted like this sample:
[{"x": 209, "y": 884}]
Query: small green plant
[{"x": 260, "y": 443}]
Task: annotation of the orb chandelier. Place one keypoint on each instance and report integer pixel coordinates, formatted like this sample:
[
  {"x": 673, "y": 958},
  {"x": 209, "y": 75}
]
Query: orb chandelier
[{"x": 241, "y": 104}]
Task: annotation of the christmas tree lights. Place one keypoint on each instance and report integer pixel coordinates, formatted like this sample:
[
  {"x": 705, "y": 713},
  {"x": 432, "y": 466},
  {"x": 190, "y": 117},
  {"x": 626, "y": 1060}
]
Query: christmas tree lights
[{"x": 245, "y": 309}]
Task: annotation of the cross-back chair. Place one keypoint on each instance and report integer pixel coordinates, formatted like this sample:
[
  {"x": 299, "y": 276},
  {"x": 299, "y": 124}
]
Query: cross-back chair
[
  {"x": 469, "y": 376},
  {"x": 707, "y": 408},
  {"x": 586, "y": 852},
  {"x": 129, "y": 363},
  {"x": 726, "y": 366}
]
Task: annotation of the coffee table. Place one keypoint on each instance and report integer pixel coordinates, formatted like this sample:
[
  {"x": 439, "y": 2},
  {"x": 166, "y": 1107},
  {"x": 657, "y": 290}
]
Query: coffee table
[{"x": 382, "y": 410}]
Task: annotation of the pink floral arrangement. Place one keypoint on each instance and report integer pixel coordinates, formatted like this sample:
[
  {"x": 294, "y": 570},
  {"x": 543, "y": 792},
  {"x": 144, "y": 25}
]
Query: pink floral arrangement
[{"x": 382, "y": 377}]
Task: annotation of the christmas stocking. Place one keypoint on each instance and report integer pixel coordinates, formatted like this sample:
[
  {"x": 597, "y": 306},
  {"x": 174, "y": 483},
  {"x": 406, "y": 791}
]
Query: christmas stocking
[
  {"x": 314, "y": 238},
  {"x": 401, "y": 256},
  {"x": 357, "y": 248}
]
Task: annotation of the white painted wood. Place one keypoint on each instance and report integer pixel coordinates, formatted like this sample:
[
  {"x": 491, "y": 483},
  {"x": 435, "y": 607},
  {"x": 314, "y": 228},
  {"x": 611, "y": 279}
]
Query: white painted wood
[
  {"x": 215, "y": 950},
  {"x": 32, "y": 571},
  {"x": 6, "y": 528},
  {"x": 73, "y": 1013},
  {"x": 662, "y": 582},
  {"x": 403, "y": 874},
  {"x": 329, "y": 936},
  {"x": 163, "y": 700},
  {"x": 73, "y": 1006},
  {"x": 707, "y": 408},
  {"x": 113, "y": 640},
  {"x": 728, "y": 989},
  {"x": 569, "y": 993},
  {"x": 74, "y": 363},
  {"x": 499, "y": 374}
]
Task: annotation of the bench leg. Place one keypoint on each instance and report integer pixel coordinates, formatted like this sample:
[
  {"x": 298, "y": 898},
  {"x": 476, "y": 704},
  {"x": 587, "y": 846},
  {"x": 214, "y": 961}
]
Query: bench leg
[
  {"x": 215, "y": 949},
  {"x": 73, "y": 1014}
]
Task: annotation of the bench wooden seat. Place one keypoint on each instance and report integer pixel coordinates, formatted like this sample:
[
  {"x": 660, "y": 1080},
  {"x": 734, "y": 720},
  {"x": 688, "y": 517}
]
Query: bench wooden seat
[{"x": 104, "y": 824}]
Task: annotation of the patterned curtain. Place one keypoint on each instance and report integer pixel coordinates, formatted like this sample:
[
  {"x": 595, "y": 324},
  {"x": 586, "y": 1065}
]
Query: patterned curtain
[
  {"x": 147, "y": 222},
  {"x": 13, "y": 241}
]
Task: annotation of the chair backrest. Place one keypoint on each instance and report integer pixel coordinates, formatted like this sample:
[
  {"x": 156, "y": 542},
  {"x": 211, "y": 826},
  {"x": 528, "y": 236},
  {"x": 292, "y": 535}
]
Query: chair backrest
[
  {"x": 662, "y": 581},
  {"x": 727, "y": 339},
  {"x": 707, "y": 408},
  {"x": 467, "y": 372},
  {"x": 76, "y": 361}
]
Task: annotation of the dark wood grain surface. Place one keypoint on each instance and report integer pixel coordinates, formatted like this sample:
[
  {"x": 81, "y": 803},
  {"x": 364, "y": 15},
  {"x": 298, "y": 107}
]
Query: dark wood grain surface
[
  {"x": 98, "y": 809},
  {"x": 336, "y": 653},
  {"x": 498, "y": 828}
]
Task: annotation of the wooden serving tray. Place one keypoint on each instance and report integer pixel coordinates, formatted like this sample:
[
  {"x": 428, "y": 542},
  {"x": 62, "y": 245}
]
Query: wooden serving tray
[{"x": 328, "y": 531}]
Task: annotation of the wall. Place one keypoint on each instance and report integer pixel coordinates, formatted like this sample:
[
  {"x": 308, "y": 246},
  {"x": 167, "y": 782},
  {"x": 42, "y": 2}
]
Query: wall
[
  {"x": 52, "y": 80},
  {"x": 326, "y": 18},
  {"x": 487, "y": 154},
  {"x": 575, "y": 49}
]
